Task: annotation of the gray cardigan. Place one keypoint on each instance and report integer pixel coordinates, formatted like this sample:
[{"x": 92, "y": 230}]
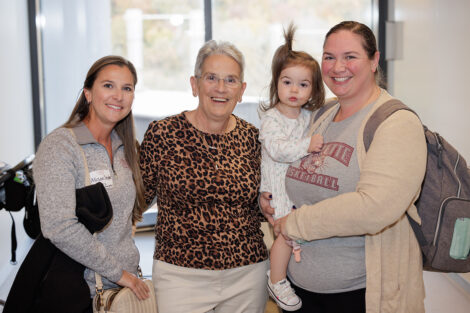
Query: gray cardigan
[{"x": 58, "y": 170}]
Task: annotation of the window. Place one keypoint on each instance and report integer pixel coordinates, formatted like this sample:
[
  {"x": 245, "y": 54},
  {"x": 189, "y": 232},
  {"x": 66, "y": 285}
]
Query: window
[
  {"x": 256, "y": 28},
  {"x": 162, "y": 38}
]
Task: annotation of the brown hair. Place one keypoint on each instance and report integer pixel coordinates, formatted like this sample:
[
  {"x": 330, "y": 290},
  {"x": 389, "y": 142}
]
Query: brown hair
[
  {"x": 285, "y": 57},
  {"x": 369, "y": 42},
  {"x": 124, "y": 128}
]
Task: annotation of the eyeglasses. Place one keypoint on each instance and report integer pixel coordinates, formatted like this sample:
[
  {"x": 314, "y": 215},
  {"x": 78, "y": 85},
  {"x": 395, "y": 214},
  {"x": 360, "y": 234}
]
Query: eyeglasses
[{"x": 212, "y": 79}]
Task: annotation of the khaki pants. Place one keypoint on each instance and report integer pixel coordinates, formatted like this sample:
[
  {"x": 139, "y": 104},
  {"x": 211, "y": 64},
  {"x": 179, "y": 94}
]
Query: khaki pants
[{"x": 239, "y": 290}]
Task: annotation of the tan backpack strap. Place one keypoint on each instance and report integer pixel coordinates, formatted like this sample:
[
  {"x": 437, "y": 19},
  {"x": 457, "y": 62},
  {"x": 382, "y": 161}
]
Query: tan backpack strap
[
  {"x": 98, "y": 287},
  {"x": 85, "y": 163},
  {"x": 99, "y": 283}
]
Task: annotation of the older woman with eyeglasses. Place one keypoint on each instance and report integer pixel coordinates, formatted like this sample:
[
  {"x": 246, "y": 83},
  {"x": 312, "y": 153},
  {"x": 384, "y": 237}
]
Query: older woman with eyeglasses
[{"x": 204, "y": 168}]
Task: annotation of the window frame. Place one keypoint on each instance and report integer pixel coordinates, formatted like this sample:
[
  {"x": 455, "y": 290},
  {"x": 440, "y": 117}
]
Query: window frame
[{"x": 380, "y": 16}]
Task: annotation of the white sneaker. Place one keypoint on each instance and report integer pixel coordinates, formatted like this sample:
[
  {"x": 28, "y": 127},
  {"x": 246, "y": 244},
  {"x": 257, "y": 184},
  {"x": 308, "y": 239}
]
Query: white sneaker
[{"x": 284, "y": 295}]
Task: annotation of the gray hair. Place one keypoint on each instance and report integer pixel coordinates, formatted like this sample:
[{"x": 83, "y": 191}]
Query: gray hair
[{"x": 222, "y": 47}]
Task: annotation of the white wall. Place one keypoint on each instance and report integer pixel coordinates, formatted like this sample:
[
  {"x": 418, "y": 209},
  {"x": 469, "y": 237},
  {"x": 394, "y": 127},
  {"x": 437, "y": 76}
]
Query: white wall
[
  {"x": 75, "y": 34},
  {"x": 16, "y": 121},
  {"x": 66, "y": 58},
  {"x": 433, "y": 76},
  {"x": 16, "y": 117}
]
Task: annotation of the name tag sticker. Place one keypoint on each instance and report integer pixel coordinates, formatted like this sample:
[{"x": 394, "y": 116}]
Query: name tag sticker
[{"x": 103, "y": 176}]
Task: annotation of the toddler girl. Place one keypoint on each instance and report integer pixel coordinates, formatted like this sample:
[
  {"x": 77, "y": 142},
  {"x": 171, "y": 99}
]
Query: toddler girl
[{"x": 296, "y": 89}]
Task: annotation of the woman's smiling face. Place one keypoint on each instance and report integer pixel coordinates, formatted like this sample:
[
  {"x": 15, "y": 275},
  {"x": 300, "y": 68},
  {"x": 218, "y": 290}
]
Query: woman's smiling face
[
  {"x": 217, "y": 99},
  {"x": 346, "y": 68},
  {"x": 111, "y": 95}
]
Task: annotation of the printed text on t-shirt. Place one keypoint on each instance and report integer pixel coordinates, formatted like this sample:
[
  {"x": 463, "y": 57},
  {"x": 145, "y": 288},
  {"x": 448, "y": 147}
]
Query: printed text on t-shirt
[{"x": 307, "y": 172}]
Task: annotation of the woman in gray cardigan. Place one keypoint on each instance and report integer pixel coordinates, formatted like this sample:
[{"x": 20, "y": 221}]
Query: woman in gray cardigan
[{"x": 100, "y": 129}]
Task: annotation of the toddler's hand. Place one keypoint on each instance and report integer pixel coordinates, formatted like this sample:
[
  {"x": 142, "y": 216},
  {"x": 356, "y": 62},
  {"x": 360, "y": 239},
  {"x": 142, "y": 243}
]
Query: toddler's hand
[{"x": 316, "y": 143}]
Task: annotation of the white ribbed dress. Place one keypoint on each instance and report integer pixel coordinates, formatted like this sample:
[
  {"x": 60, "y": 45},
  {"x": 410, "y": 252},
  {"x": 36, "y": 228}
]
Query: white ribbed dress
[{"x": 283, "y": 141}]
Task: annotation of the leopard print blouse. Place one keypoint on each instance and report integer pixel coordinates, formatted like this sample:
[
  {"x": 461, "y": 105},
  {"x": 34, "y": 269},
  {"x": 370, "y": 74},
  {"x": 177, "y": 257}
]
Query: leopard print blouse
[{"x": 206, "y": 187}]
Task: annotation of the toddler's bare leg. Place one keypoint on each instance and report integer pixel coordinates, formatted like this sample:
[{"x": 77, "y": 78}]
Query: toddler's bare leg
[{"x": 279, "y": 256}]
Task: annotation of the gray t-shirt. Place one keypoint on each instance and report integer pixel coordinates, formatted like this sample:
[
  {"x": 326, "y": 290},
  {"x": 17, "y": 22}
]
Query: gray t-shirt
[{"x": 334, "y": 264}]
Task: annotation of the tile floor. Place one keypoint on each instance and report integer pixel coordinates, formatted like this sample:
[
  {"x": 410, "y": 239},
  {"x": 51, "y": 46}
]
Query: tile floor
[{"x": 443, "y": 293}]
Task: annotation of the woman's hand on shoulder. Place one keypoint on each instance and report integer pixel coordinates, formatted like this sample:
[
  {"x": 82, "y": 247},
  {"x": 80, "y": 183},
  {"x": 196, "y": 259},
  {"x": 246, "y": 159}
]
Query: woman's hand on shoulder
[
  {"x": 137, "y": 285},
  {"x": 265, "y": 205}
]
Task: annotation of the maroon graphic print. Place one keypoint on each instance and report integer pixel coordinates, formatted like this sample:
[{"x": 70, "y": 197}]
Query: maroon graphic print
[
  {"x": 338, "y": 151},
  {"x": 307, "y": 172}
]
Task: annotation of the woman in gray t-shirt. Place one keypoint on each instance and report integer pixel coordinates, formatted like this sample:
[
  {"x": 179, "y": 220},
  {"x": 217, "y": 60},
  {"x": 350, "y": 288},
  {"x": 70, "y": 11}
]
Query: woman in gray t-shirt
[{"x": 361, "y": 254}]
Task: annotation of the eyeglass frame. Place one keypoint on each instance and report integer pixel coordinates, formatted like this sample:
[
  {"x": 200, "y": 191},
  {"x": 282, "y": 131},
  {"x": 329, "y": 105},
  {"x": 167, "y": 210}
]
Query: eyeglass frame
[{"x": 217, "y": 79}]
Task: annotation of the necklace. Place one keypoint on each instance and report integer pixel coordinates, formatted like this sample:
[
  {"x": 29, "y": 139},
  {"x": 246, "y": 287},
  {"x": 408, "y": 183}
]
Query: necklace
[
  {"x": 213, "y": 149},
  {"x": 212, "y": 152},
  {"x": 208, "y": 145}
]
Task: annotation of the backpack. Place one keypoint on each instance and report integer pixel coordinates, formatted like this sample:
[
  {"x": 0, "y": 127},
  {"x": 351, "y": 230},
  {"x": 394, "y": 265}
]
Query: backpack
[{"x": 444, "y": 201}]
